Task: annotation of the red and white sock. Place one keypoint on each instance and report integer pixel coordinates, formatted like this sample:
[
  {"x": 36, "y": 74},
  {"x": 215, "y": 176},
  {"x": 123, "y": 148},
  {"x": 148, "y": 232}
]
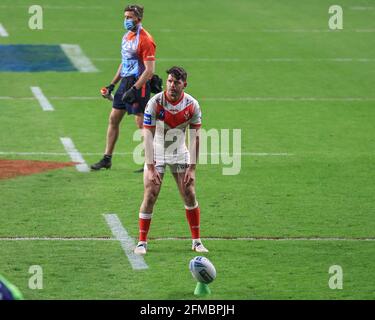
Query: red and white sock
[
  {"x": 193, "y": 217},
  {"x": 144, "y": 225}
]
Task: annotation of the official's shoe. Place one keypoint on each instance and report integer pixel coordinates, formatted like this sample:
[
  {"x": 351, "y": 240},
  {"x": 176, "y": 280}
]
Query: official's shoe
[
  {"x": 139, "y": 170},
  {"x": 199, "y": 247},
  {"x": 141, "y": 248},
  {"x": 102, "y": 164}
]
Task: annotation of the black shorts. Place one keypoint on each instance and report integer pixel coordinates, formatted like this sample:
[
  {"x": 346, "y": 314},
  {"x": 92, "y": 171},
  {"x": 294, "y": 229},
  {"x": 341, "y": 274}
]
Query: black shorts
[{"x": 143, "y": 95}]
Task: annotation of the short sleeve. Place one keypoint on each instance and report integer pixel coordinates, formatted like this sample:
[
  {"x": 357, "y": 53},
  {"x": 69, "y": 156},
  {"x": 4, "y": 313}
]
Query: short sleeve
[
  {"x": 149, "y": 119},
  {"x": 147, "y": 48},
  {"x": 196, "y": 119}
]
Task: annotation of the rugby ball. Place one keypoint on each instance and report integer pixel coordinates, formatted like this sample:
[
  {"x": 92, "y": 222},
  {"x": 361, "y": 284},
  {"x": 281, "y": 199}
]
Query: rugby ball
[{"x": 202, "y": 270}]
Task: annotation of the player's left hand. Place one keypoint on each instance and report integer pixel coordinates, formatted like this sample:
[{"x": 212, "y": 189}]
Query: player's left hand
[
  {"x": 189, "y": 177},
  {"x": 130, "y": 95}
]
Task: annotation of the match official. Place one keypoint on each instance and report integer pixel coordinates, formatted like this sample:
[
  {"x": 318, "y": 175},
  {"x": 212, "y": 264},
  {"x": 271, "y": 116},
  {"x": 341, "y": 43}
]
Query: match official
[{"x": 135, "y": 72}]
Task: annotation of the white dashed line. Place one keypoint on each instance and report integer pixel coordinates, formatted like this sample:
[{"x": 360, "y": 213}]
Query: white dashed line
[{"x": 75, "y": 156}]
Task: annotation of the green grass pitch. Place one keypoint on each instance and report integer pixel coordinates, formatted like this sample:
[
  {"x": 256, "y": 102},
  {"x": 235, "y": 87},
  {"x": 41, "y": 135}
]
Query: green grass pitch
[{"x": 270, "y": 68}]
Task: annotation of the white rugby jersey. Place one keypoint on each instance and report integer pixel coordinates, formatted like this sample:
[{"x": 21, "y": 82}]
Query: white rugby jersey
[{"x": 171, "y": 120}]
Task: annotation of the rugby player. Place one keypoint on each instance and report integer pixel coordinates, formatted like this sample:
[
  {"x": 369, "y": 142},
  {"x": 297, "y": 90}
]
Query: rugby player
[{"x": 167, "y": 116}]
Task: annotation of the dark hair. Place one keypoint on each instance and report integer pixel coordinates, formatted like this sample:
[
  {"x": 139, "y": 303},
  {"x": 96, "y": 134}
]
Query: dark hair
[
  {"x": 178, "y": 72},
  {"x": 136, "y": 9}
]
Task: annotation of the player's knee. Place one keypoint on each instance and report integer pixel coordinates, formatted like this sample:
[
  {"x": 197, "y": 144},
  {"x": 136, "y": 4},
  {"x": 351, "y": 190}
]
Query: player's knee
[
  {"x": 114, "y": 121},
  {"x": 189, "y": 194}
]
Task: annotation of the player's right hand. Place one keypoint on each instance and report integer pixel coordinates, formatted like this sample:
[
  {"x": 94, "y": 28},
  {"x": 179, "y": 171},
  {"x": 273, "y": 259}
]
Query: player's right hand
[
  {"x": 106, "y": 91},
  {"x": 110, "y": 88},
  {"x": 153, "y": 175}
]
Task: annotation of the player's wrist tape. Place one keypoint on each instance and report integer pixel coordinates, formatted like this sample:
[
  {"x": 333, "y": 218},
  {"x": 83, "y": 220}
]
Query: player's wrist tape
[{"x": 110, "y": 87}]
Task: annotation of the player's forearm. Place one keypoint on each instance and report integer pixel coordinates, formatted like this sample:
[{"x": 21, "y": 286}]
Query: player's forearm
[
  {"x": 117, "y": 76},
  {"x": 146, "y": 75},
  {"x": 148, "y": 140},
  {"x": 194, "y": 150},
  {"x": 193, "y": 165}
]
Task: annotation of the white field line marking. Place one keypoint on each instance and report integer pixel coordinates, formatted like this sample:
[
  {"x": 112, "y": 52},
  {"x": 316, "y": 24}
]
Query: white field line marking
[
  {"x": 243, "y": 99},
  {"x": 314, "y": 30},
  {"x": 290, "y": 99},
  {"x": 3, "y": 32},
  {"x": 43, "y": 101},
  {"x": 201, "y": 59},
  {"x": 126, "y": 238},
  {"x": 297, "y": 30},
  {"x": 75, "y": 155},
  {"x": 127, "y": 243},
  {"x": 361, "y": 8},
  {"x": 365, "y": 30},
  {"x": 53, "y": 7},
  {"x": 56, "y": 7},
  {"x": 78, "y": 58},
  {"x": 253, "y": 154},
  {"x": 177, "y": 31},
  {"x": 15, "y": 98}
]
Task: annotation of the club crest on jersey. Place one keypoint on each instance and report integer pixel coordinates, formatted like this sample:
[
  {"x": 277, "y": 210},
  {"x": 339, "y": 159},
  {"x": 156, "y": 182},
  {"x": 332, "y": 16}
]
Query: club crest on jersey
[
  {"x": 187, "y": 115},
  {"x": 161, "y": 114}
]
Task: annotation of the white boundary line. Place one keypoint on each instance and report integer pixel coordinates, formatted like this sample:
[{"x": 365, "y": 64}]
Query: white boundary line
[
  {"x": 56, "y": 7},
  {"x": 15, "y": 98},
  {"x": 74, "y": 155},
  {"x": 254, "y": 154},
  {"x": 296, "y": 30},
  {"x": 3, "y": 32},
  {"x": 244, "y": 99},
  {"x": 78, "y": 58},
  {"x": 289, "y": 99},
  {"x": 43, "y": 101},
  {"x": 216, "y": 31},
  {"x": 53, "y": 7},
  {"x": 127, "y": 243},
  {"x": 202, "y": 59},
  {"x": 130, "y": 245},
  {"x": 361, "y": 8}
]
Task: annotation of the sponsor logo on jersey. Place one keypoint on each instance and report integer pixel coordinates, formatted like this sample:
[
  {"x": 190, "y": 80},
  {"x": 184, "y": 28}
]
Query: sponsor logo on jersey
[{"x": 147, "y": 119}]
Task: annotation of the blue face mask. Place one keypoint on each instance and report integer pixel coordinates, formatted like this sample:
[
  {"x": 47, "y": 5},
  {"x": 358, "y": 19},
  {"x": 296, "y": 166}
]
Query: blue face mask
[{"x": 129, "y": 24}]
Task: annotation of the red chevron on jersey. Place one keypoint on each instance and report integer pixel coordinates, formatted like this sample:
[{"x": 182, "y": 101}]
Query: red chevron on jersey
[
  {"x": 176, "y": 119},
  {"x": 180, "y": 114}
]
